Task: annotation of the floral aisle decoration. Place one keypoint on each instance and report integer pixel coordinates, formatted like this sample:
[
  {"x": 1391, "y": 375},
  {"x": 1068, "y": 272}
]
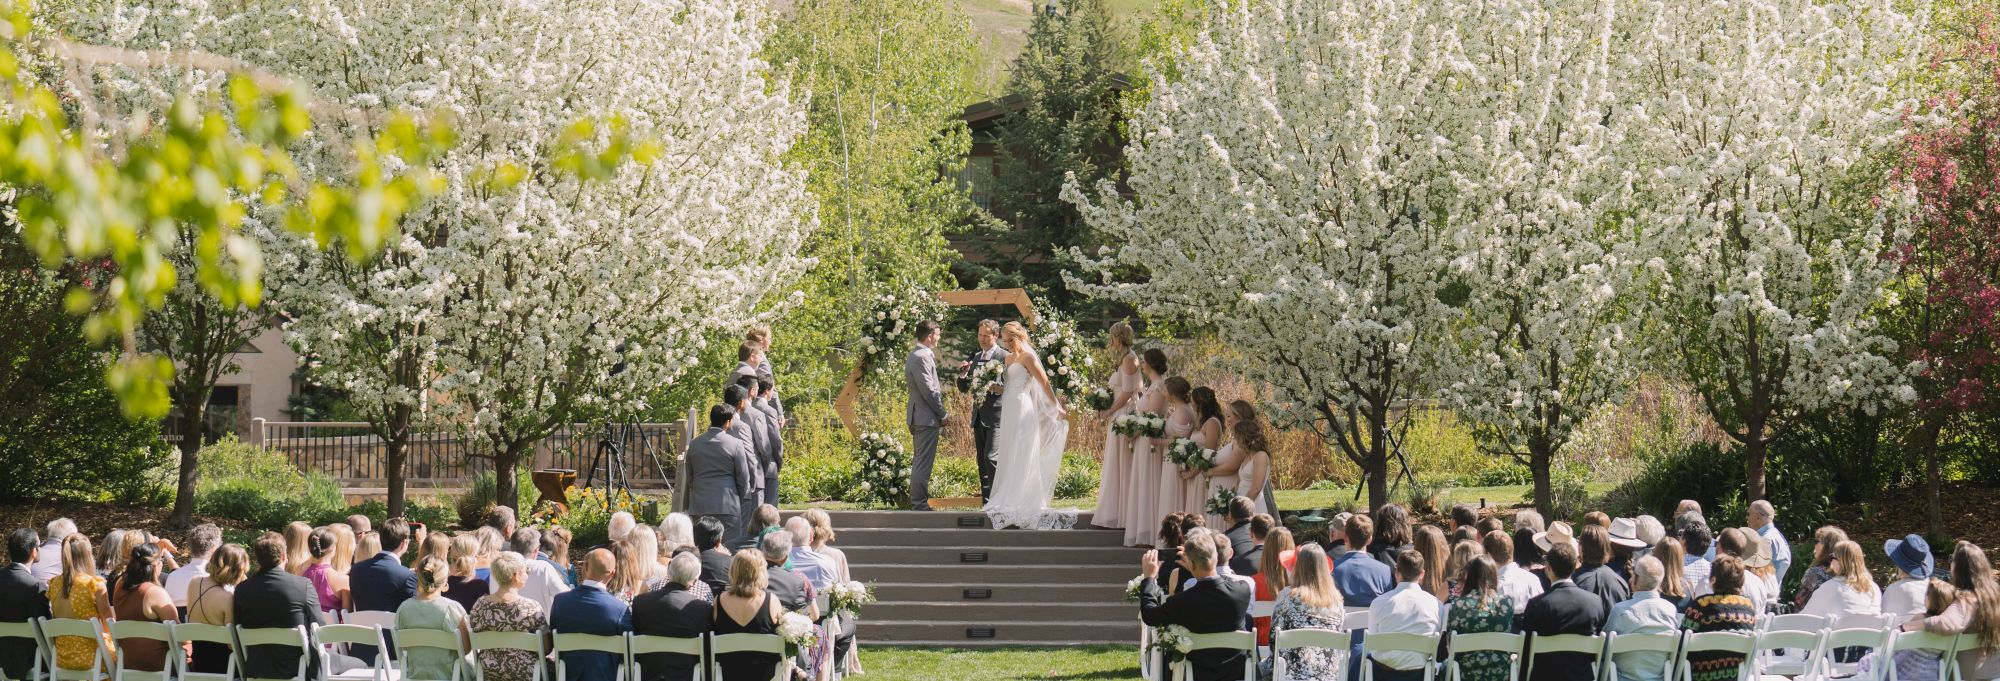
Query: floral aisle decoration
[
  {"x": 798, "y": 632},
  {"x": 1174, "y": 640},
  {"x": 885, "y": 473},
  {"x": 849, "y": 597},
  {"x": 1134, "y": 588},
  {"x": 1218, "y": 503},
  {"x": 1064, "y": 356},
  {"x": 1190, "y": 455},
  {"x": 1140, "y": 424},
  {"x": 891, "y": 319}
]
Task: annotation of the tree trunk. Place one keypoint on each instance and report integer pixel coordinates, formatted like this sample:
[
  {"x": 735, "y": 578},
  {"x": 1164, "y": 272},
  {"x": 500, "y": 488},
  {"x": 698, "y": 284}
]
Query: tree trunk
[
  {"x": 1378, "y": 483},
  {"x": 1933, "y": 474},
  {"x": 392, "y": 459},
  {"x": 1378, "y": 457},
  {"x": 1754, "y": 451},
  {"x": 192, "y": 412},
  {"x": 504, "y": 484},
  {"x": 1540, "y": 460}
]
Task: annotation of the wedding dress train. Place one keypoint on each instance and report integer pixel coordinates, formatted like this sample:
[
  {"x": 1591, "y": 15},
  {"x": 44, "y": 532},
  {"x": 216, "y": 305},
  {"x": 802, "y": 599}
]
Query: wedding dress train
[{"x": 1028, "y": 457}]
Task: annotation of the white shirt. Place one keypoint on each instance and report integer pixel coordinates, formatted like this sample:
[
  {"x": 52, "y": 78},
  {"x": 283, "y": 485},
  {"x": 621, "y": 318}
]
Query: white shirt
[
  {"x": 1406, "y": 609},
  {"x": 539, "y": 583},
  {"x": 178, "y": 580},
  {"x": 1696, "y": 570},
  {"x": 1835, "y": 597},
  {"x": 1905, "y": 597},
  {"x": 1518, "y": 583},
  {"x": 49, "y": 564},
  {"x": 1645, "y": 613},
  {"x": 1756, "y": 590}
]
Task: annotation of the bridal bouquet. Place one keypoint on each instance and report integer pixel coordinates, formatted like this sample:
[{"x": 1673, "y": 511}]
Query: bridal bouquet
[
  {"x": 1140, "y": 424},
  {"x": 1190, "y": 455},
  {"x": 1219, "y": 503},
  {"x": 848, "y": 597},
  {"x": 984, "y": 376},
  {"x": 884, "y": 475},
  {"x": 798, "y": 632},
  {"x": 1134, "y": 587},
  {"x": 1099, "y": 399}
]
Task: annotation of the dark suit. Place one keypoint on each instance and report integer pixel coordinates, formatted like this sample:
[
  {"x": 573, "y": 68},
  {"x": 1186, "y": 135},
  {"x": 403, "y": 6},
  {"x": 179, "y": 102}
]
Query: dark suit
[
  {"x": 789, "y": 588},
  {"x": 276, "y": 599},
  {"x": 22, "y": 599},
  {"x": 1563, "y": 609},
  {"x": 379, "y": 583},
  {"x": 1248, "y": 561},
  {"x": 1211, "y": 606},
  {"x": 588, "y": 609},
  {"x": 715, "y": 571},
  {"x": 1603, "y": 581},
  {"x": 675, "y": 613},
  {"x": 985, "y": 420}
]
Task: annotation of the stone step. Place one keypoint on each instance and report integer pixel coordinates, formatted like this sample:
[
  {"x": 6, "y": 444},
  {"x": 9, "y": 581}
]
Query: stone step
[
  {"x": 960, "y": 632},
  {"x": 1074, "y": 556},
  {"x": 1008, "y": 592},
  {"x": 884, "y": 536},
  {"x": 996, "y": 613},
  {"x": 1109, "y": 575},
  {"x": 843, "y": 520}
]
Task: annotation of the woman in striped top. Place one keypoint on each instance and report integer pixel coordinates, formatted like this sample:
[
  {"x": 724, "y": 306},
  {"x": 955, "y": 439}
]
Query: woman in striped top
[{"x": 1723, "y": 609}]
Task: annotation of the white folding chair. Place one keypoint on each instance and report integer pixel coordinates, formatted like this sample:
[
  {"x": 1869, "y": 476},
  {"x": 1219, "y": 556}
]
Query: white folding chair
[
  {"x": 1488, "y": 642},
  {"x": 1564, "y": 643},
  {"x": 1355, "y": 620},
  {"x": 1245, "y": 641},
  {"x": 23, "y": 633},
  {"x": 823, "y": 603},
  {"x": 1873, "y": 638},
  {"x": 1262, "y": 608},
  {"x": 330, "y": 635},
  {"x": 1374, "y": 643},
  {"x": 1787, "y": 652},
  {"x": 1951, "y": 671},
  {"x": 196, "y": 632},
  {"x": 646, "y": 645},
  {"x": 1332, "y": 640},
  {"x": 1793, "y": 622},
  {"x": 530, "y": 641},
  {"x": 100, "y": 664},
  {"x": 1739, "y": 642},
  {"x": 294, "y": 637},
  {"x": 436, "y": 639},
  {"x": 1865, "y": 621},
  {"x": 748, "y": 643},
  {"x": 141, "y": 631},
  {"x": 1623, "y": 649},
  {"x": 379, "y": 619},
  {"x": 1945, "y": 646}
]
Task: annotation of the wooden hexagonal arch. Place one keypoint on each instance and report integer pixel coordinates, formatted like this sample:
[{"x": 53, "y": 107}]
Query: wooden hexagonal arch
[{"x": 844, "y": 403}]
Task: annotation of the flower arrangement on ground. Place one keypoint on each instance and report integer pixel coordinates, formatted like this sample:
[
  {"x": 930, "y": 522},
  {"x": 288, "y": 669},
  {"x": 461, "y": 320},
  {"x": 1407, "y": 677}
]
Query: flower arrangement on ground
[
  {"x": 885, "y": 473},
  {"x": 1140, "y": 424},
  {"x": 890, "y": 320},
  {"x": 848, "y": 597},
  {"x": 1190, "y": 455},
  {"x": 1064, "y": 356},
  {"x": 1218, "y": 504}
]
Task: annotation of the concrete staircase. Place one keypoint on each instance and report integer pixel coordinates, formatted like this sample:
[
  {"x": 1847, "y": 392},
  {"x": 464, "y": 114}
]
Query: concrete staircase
[{"x": 946, "y": 578}]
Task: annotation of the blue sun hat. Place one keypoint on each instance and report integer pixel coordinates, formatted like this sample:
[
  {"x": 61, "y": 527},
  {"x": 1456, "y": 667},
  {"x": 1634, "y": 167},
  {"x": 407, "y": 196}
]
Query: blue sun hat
[{"x": 1911, "y": 554}]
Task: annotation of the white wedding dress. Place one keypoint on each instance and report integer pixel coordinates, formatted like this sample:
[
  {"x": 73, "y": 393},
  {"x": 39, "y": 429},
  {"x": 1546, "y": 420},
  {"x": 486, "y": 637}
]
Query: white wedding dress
[{"x": 1027, "y": 457}]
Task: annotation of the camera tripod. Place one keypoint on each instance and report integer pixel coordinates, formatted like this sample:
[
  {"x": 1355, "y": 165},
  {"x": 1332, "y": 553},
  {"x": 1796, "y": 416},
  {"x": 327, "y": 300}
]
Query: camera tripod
[{"x": 609, "y": 458}]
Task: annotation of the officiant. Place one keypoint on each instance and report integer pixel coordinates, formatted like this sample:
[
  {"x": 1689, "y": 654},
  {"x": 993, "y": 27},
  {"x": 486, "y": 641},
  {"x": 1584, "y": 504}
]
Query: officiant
[{"x": 986, "y": 416}]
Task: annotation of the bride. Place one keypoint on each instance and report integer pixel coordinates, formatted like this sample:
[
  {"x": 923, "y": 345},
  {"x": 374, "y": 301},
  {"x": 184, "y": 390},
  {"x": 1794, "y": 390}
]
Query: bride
[{"x": 1033, "y": 431}]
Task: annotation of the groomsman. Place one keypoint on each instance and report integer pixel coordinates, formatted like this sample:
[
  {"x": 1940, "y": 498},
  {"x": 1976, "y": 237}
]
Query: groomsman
[
  {"x": 749, "y": 428},
  {"x": 760, "y": 336},
  {"x": 985, "y": 416},
  {"x": 925, "y": 412},
  {"x": 719, "y": 477},
  {"x": 767, "y": 400}
]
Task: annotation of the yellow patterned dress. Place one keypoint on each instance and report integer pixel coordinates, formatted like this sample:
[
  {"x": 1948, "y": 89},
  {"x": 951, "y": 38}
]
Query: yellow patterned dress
[{"x": 76, "y": 652}]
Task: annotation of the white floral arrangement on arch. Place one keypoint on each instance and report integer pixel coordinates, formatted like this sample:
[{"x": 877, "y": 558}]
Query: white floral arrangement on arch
[
  {"x": 798, "y": 632},
  {"x": 884, "y": 479},
  {"x": 848, "y": 597},
  {"x": 1064, "y": 356},
  {"x": 888, "y": 329}
]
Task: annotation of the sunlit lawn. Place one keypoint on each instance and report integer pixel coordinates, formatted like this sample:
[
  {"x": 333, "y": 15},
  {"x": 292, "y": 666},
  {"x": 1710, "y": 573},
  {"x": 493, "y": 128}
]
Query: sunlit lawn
[{"x": 999, "y": 664}]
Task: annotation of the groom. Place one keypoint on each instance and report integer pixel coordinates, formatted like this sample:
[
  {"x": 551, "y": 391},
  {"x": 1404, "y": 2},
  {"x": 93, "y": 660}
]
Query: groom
[
  {"x": 986, "y": 416},
  {"x": 925, "y": 413}
]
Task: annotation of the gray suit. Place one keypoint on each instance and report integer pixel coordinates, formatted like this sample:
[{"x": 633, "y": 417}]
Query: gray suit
[
  {"x": 775, "y": 435},
  {"x": 719, "y": 478},
  {"x": 925, "y": 412},
  {"x": 750, "y": 428},
  {"x": 762, "y": 370}
]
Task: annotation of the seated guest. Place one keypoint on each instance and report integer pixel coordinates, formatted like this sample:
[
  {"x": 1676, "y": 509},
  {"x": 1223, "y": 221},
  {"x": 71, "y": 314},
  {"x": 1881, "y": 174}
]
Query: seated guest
[
  {"x": 1673, "y": 582},
  {"x": 589, "y": 609},
  {"x": 1564, "y": 609},
  {"x": 1393, "y": 533},
  {"x": 1751, "y": 553},
  {"x": 1824, "y": 539},
  {"x": 708, "y": 533},
  {"x": 1247, "y": 561},
  {"x": 465, "y": 585},
  {"x": 1914, "y": 566},
  {"x": 1360, "y": 577},
  {"x": 1310, "y": 602},
  {"x": 619, "y": 527},
  {"x": 48, "y": 564},
  {"x": 1211, "y": 606},
  {"x": 140, "y": 598},
  {"x": 1463, "y": 515},
  {"x": 1626, "y": 545},
  {"x": 822, "y": 538},
  {"x": 273, "y": 598},
  {"x": 1914, "y": 665},
  {"x": 1851, "y": 591},
  {"x": 430, "y": 610},
  {"x": 1172, "y": 534},
  {"x": 1274, "y": 571},
  {"x": 804, "y": 560},
  {"x": 1238, "y": 517},
  {"x": 1490, "y": 524},
  {"x": 762, "y": 521},
  {"x": 1595, "y": 575},
  {"x": 379, "y": 582},
  {"x": 1519, "y": 585},
  {"x": 1481, "y": 607},
  {"x": 79, "y": 593},
  {"x": 22, "y": 599},
  {"x": 1724, "y": 608},
  {"x": 1406, "y": 609},
  {"x": 1695, "y": 541},
  {"x": 1644, "y": 613},
  {"x": 509, "y": 608},
  {"x": 1976, "y": 611},
  {"x": 212, "y": 600},
  {"x": 540, "y": 582},
  {"x": 330, "y": 587},
  {"x": 673, "y": 612},
  {"x": 360, "y": 524},
  {"x": 746, "y": 607},
  {"x": 1528, "y": 555},
  {"x": 791, "y": 590},
  {"x": 202, "y": 543}
]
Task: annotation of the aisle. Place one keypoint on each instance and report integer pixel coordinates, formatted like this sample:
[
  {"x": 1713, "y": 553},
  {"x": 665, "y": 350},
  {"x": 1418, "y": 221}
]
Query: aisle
[{"x": 945, "y": 578}]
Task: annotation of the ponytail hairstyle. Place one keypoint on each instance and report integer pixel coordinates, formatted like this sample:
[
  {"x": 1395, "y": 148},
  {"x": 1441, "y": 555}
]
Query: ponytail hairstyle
[
  {"x": 1248, "y": 432},
  {"x": 139, "y": 567},
  {"x": 76, "y": 560},
  {"x": 1205, "y": 406},
  {"x": 319, "y": 544},
  {"x": 430, "y": 575}
]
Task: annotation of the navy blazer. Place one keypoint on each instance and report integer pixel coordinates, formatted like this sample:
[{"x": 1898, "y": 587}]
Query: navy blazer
[
  {"x": 22, "y": 599},
  {"x": 588, "y": 609},
  {"x": 381, "y": 583}
]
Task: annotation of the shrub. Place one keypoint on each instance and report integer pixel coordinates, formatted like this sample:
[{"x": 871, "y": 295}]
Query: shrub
[
  {"x": 590, "y": 512},
  {"x": 472, "y": 506},
  {"x": 1797, "y": 481},
  {"x": 818, "y": 475},
  {"x": 229, "y": 459},
  {"x": 262, "y": 487},
  {"x": 1079, "y": 476}
]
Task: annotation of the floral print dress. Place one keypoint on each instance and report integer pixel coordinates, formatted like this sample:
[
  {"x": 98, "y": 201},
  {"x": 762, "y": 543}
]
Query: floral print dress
[
  {"x": 513, "y": 614},
  {"x": 1307, "y": 664},
  {"x": 1470, "y": 616}
]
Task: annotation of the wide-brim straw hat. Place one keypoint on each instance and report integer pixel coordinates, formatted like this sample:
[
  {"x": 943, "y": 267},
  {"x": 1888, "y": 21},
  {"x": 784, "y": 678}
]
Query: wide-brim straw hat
[
  {"x": 1558, "y": 533},
  {"x": 1625, "y": 532},
  {"x": 1758, "y": 553}
]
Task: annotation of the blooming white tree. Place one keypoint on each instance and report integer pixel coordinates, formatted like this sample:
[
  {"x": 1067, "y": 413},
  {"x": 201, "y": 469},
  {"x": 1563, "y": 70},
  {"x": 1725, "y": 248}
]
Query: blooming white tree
[
  {"x": 1756, "y": 122},
  {"x": 1291, "y": 189},
  {"x": 556, "y": 251}
]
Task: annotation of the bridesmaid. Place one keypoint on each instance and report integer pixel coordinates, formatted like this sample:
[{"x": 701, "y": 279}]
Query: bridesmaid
[
  {"x": 1142, "y": 486},
  {"x": 1117, "y": 464},
  {"x": 1208, "y": 414},
  {"x": 1245, "y": 463},
  {"x": 1180, "y": 424}
]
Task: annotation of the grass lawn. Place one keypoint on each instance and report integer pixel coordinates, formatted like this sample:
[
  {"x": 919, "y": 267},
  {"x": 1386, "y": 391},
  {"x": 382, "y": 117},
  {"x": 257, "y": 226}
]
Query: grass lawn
[{"x": 999, "y": 664}]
